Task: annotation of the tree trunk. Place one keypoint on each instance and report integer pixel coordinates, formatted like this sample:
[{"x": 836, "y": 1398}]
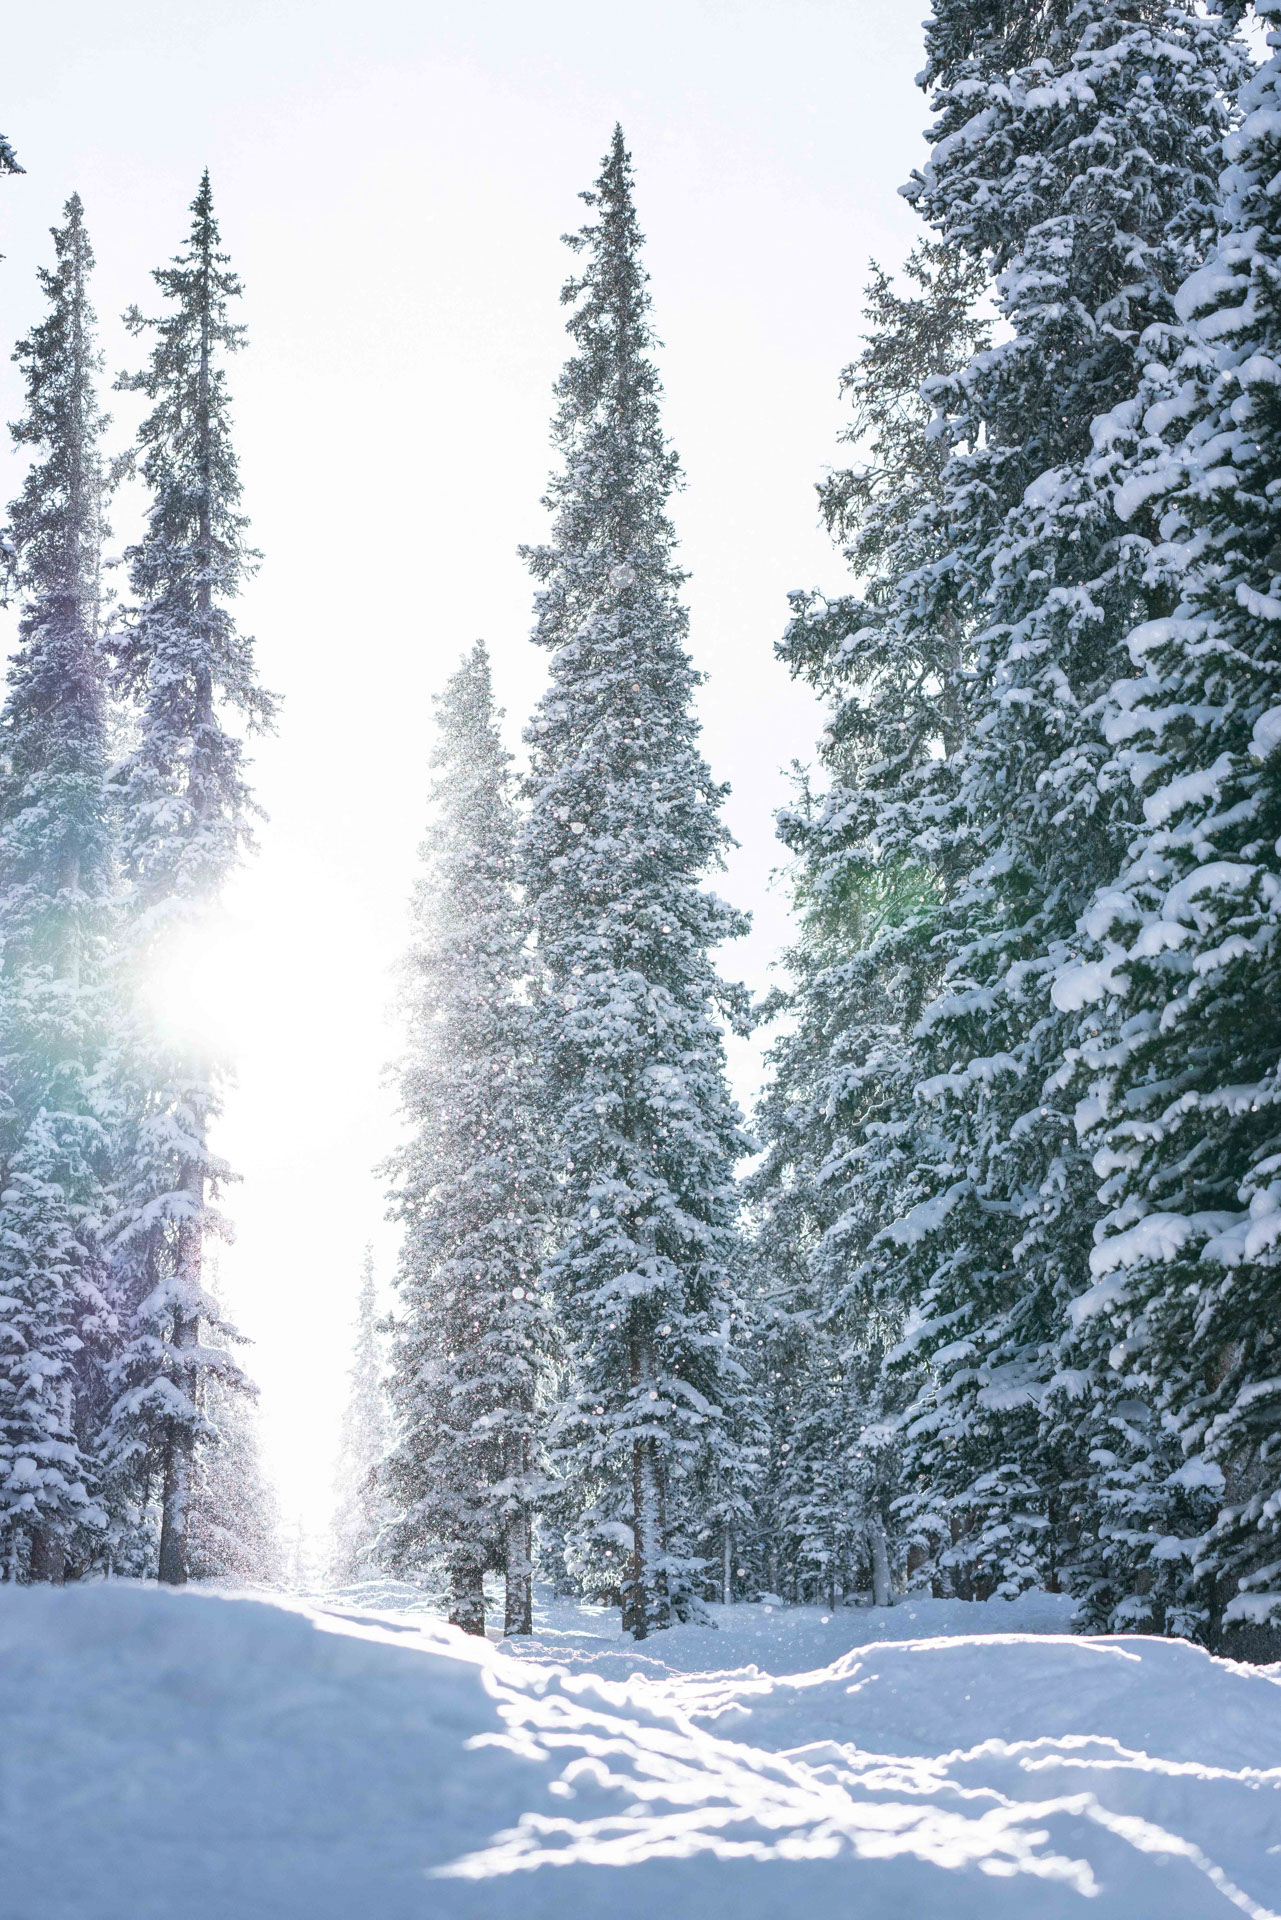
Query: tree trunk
[
  {"x": 635, "y": 1612},
  {"x": 882, "y": 1592},
  {"x": 186, "y": 1329},
  {"x": 644, "y": 1608},
  {"x": 48, "y": 1558},
  {"x": 727, "y": 1567},
  {"x": 177, "y": 1490},
  {"x": 648, "y": 1609},
  {"x": 519, "y": 1617},
  {"x": 467, "y": 1608}
]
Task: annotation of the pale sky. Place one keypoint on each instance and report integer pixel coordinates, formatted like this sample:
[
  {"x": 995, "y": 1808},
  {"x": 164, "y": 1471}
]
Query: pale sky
[{"x": 392, "y": 181}]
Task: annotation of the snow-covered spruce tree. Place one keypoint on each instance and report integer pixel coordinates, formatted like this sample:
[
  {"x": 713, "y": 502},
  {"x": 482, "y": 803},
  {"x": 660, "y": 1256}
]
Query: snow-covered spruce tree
[
  {"x": 361, "y": 1511},
  {"x": 56, "y": 892},
  {"x": 186, "y": 815},
  {"x": 1091, "y": 186},
  {"x": 1181, "y": 958},
  {"x": 234, "y": 1524},
  {"x": 624, "y": 823},
  {"x": 847, "y": 1147},
  {"x": 473, "y": 1336},
  {"x": 1075, "y": 154}
]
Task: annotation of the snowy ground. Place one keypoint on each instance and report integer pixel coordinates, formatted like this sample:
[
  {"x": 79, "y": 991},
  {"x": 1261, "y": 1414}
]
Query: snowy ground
[{"x": 210, "y": 1757}]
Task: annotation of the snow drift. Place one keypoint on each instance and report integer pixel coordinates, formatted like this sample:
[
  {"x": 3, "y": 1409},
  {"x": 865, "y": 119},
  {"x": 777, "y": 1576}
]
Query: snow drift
[{"x": 230, "y": 1758}]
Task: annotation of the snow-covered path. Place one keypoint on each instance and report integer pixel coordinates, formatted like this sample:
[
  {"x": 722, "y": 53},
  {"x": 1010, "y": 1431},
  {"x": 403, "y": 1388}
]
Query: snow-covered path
[{"x": 221, "y": 1758}]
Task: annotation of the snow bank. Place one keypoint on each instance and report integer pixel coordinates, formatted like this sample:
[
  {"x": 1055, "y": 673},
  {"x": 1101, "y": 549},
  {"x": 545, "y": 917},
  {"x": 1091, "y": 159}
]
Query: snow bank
[{"x": 230, "y": 1758}]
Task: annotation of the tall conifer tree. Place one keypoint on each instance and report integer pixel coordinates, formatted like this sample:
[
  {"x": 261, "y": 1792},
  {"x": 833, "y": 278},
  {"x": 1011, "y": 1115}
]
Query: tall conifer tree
[
  {"x": 624, "y": 825},
  {"x": 186, "y": 821},
  {"x": 56, "y": 889},
  {"x": 1074, "y": 152},
  {"x": 845, "y": 1146},
  {"x": 1176, "y": 979},
  {"x": 1092, "y": 189},
  {"x": 473, "y": 1336}
]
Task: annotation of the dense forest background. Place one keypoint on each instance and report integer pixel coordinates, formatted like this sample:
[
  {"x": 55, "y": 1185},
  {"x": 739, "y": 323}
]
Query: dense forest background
[{"x": 995, "y": 1307}]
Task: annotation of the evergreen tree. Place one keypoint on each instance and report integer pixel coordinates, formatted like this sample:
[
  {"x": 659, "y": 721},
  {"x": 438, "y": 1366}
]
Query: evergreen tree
[
  {"x": 186, "y": 816},
  {"x": 847, "y": 1147},
  {"x": 624, "y": 824},
  {"x": 1074, "y": 153},
  {"x": 56, "y": 888},
  {"x": 473, "y": 1338},
  {"x": 1105, "y": 130},
  {"x": 361, "y": 1512},
  {"x": 234, "y": 1528},
  {"x": 1176, "y": 977}
]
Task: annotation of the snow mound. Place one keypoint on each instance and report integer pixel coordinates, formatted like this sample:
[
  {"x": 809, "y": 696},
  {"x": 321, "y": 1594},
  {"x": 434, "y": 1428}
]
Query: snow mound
[{"x": 224, "y": 1757}]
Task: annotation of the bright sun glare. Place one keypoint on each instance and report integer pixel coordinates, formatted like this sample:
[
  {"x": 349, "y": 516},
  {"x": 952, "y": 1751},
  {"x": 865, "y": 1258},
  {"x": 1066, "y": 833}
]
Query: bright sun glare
[{"x": 199, "y": 990}]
